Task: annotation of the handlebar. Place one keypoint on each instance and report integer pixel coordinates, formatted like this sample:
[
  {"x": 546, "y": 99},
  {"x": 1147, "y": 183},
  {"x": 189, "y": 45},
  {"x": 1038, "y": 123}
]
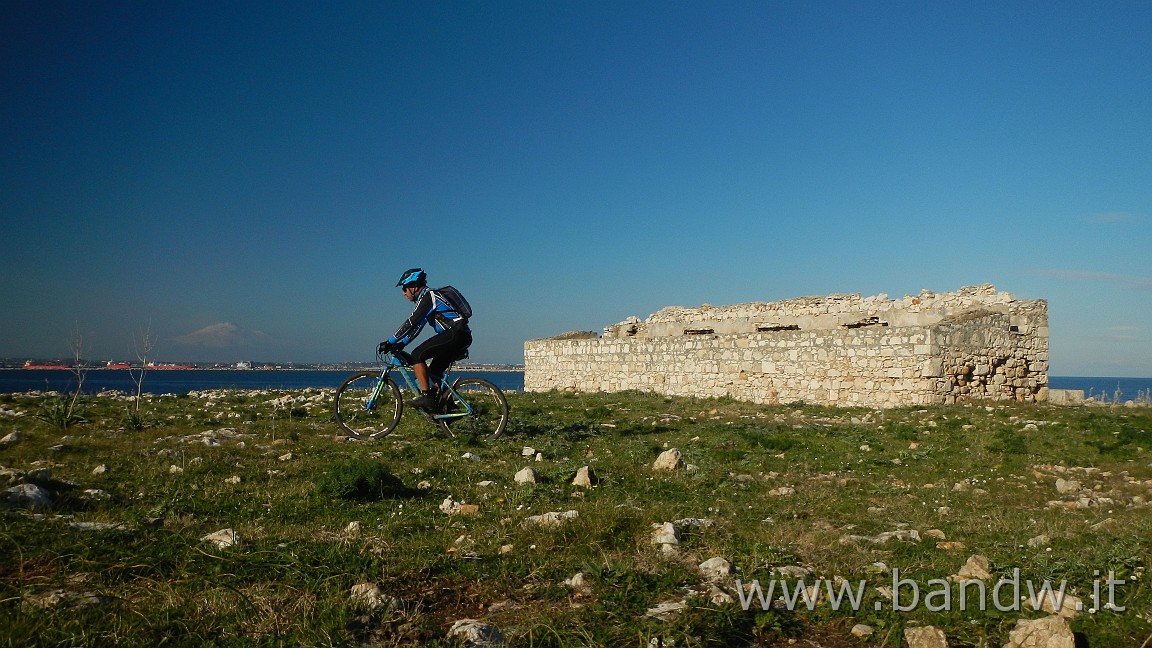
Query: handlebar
[{"x": 402, "y": 357}]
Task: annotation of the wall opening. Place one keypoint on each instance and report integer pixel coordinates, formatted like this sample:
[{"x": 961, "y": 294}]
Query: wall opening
[
  {"x": 769, "y": 328},
  {"x": 867, "y": 321}
]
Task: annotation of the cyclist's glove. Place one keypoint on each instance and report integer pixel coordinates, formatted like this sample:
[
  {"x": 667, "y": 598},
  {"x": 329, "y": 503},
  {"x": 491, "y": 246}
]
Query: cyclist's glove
[{"x": 386, "y": 347}]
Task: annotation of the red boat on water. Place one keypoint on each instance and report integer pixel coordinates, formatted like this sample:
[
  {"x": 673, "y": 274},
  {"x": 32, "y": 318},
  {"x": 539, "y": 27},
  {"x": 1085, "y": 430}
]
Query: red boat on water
[
  {"x": 117, "y": 365},
  {"x": 29, "y": 365},
  {"x": 153, "y": 365}
]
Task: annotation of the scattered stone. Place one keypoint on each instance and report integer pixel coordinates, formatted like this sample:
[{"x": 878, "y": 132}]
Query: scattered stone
[
  {"x": 29, "y": 496},
  {"x": 584, "y": 477},
  {"x": 96, "y": 494},
  {"x": 1039, "y": 541},
  {"x": 551, "y": 519},
  {"x": 925, "y": 637},
  {"x": 701, "y": 523},
  {"x": 527, "y": 476},
  {"x": 669, "y": 460},
  {"x": 475, "y": 634},
  {"x": 579, "y": 584},
  {"x": 353, "y": 529},
  {"x": 52, "y": 597},
  {"x": 716, "y": 569},
  {"x": 100, "y": 470},
  {"x": 783, "y": 491},
  {"x": 10, "y": 477},
  {"x": 12, "y": 438},
  {"x": 451, "y": 507},
  {"x": 486, "y": 483},
  {"x": 285, "y": 457},
  {"x": 975, "y": 568},
  {"x": 1048, "y": 632},
  {"x": 234, "y": 479},
  {"x": 665, "y": 534},
  {"x": 1067, "y": 486},
  {"x": 470, "y": 456},
  {"x": 528, "y": 452},
  {"x": 39, "y": 476},
  {"x": 795, "y": 572},
  {"x": 1102, "y": 524},
  {"x": 904, "y": 535},
  {"x": 1067, "y": 606},
  {"x": 861, "y": 630},
  {"x": 951, "y": 545},
  {"x": 506, "y": 604},
  {"x": 370, "y": 596},
  {"x": 223, "y": 538},
  {"x": 667, "y": 611},
  {"x": 935, "y": 533},
  {"x": 98, "y": 526}
]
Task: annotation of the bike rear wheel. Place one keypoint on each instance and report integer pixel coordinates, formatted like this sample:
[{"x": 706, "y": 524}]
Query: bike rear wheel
[
  {"x": 488, "y": 410},
  {"x": 361, "y": 416}
]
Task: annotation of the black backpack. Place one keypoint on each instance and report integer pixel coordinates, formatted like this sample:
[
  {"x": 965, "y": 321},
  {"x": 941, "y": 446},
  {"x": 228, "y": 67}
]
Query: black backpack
[{"x": 455, "y": 300}]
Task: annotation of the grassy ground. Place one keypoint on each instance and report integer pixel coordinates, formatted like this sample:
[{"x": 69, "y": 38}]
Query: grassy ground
[{"x": 792, "y": 486}]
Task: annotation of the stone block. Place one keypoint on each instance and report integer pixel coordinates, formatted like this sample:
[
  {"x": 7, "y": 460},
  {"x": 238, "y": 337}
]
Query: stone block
[{"x": 1066, "y": 396}]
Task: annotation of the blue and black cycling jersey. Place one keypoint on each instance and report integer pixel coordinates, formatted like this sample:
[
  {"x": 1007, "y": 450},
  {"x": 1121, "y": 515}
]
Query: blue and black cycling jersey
[{"x": 430, "y": 307}]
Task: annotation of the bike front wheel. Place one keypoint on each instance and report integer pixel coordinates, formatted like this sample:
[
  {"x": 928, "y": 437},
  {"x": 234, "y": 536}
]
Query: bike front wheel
[
  {"x": 480, "y": 410},
  {"x": 367, "y": 409}
]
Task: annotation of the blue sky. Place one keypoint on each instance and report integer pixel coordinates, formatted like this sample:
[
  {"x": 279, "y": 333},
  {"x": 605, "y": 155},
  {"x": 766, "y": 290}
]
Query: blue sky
[{"x": 249, "y": 179}]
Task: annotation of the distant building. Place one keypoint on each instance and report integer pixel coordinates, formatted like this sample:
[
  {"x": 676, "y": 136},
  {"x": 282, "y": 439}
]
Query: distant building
[{"x": 974, "y": 344}]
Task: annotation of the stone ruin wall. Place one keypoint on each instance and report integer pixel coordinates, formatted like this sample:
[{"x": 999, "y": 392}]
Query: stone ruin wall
[{"x": 976, "y": 344}]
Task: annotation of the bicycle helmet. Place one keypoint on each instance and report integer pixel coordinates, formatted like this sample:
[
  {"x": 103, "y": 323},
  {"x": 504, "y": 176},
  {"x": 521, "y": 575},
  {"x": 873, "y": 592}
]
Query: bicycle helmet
[{"x": 413, "y": 277}]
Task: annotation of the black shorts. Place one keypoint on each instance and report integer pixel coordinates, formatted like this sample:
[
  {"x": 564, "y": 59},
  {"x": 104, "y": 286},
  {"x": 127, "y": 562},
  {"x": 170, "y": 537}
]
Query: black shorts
[{"x": 443, "y": 348}]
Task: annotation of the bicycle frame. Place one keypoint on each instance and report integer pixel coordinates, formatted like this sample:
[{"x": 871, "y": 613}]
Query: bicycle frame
[{"x": 392, "y": 362}]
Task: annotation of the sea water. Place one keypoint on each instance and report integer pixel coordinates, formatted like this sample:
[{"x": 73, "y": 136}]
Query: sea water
[
  {"x": 186, "y": 380},
  {"x": 182, "y": 381}
]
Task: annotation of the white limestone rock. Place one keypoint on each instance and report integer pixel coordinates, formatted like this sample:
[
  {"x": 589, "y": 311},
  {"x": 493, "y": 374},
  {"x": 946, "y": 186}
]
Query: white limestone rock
[
  {"x": 223, "y": 538},
  {"x": 669, "y": 460},
  {"x": 475, "y": 634},
  {"x": 29, "y": 496}
]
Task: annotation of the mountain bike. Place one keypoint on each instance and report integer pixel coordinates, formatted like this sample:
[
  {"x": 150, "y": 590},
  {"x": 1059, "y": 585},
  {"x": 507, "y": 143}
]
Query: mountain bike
[{"x": 369, "y": 404}]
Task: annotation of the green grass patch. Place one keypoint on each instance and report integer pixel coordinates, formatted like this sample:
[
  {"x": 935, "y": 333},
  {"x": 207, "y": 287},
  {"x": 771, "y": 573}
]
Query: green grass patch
[{"x": 846, "y": 495}]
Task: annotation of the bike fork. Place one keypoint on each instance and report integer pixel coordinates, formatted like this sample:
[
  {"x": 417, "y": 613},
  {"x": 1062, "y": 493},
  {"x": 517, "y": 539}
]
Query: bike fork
[{"x": 376, "y": 392}]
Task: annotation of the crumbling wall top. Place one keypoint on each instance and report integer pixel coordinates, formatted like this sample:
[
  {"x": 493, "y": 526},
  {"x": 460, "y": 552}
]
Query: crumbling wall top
[{"x": 830, "y": 311}]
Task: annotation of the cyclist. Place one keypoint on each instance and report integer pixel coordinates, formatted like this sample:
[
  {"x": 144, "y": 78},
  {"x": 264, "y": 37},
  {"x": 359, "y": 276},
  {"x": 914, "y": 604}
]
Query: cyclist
[{"x": 431, "y": 358}]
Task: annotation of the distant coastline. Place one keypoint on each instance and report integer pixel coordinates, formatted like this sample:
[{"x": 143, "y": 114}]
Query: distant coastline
[
  {"x": 63, "y": 365},
  {"x": 1101, "y": 389}
]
